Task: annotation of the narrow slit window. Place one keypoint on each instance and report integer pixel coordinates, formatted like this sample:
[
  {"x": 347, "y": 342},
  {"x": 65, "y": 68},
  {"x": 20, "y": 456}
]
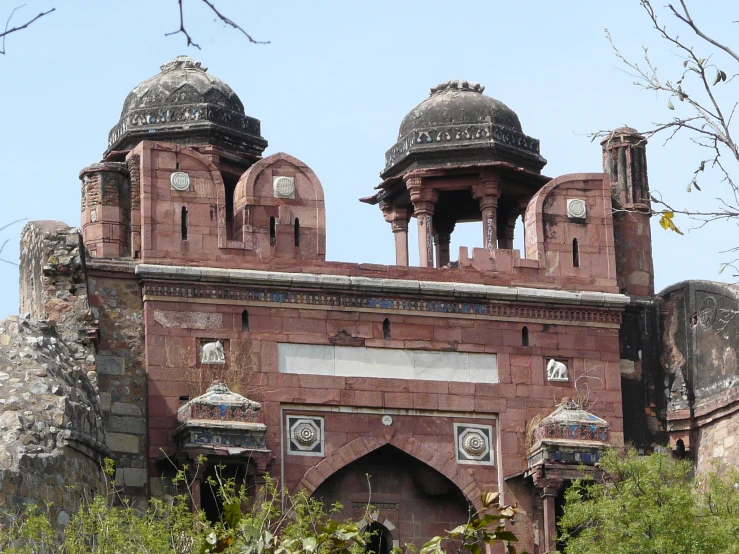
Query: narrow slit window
[
  {"x": 525, "y": 336},
  {"x": 575, "y": 253},
  {"x": 386, "y": 329},
  {"x": 297, "y": 232},
  {"x": 183, "y": 222},
  {"x": 272, "y": 235},
  {"x": 245, "y": 321}
]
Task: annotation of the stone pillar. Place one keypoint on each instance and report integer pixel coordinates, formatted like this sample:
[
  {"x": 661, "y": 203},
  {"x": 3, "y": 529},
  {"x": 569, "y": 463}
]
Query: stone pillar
[
  {"x": 625, "y": 162},
  {"x": 550, "y": 520},
  {"x": 423, "y": 206},
  {"x": 506, "y": 239},
  {"x": 549, "y": 485},
  {"x": 487, "y": 193},
  {"x": 398, "y": 219},
  {"x": 442, "y": 238}
]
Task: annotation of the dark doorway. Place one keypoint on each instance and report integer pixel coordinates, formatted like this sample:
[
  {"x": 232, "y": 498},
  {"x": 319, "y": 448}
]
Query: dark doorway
[{"x": 380, "y": 541}]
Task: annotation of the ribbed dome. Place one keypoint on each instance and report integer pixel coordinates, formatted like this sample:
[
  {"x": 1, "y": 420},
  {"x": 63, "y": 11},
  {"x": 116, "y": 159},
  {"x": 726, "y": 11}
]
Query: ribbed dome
[
  {"x": 457, "y": 125},
  {"x": 458, "y": 102},
  {"x": 186, "y": 105}
]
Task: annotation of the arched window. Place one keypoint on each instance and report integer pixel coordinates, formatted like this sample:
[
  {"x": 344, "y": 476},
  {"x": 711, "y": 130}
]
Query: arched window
[
  {"x": 272, "y": 235},
  {"x": 183, "y": 222},
  {"x": 297, "y": 232},
  {"x": 245, "y": 321},
  {"x": 575, "y": 253},
  {"x": 386, "y": 329},
  {"x": 525, "y": 336}
]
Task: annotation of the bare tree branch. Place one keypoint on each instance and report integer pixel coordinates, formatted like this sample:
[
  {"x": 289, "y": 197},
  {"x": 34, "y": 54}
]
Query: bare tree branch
[
  {"x": 707, "y": 125},
  {"x": 7, "y": 31},
  {"x": 2, "y": 246},
  {"x": 225, "y": 20},
  {"x": 689, "y": 21}
]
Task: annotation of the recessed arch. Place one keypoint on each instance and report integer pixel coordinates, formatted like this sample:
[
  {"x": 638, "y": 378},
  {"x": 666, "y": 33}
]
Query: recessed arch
[
  {"x": 384, "y": 488},
  {"x": 443, "y": 462}
]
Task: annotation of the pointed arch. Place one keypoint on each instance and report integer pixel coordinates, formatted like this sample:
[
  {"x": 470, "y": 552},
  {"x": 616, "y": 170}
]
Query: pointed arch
[{"x": 440, "y": 461}]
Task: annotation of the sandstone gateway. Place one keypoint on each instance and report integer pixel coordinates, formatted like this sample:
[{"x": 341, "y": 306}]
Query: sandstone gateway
[{"x": 195, "y": 314}]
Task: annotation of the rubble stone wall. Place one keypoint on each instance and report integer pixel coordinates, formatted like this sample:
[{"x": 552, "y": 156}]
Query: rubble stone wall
[{"x": 51, "y": 423}]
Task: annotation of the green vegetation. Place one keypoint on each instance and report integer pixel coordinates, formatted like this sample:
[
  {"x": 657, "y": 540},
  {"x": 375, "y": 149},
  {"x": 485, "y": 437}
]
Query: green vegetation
[
  {"x": 267, "y": 524},
  {"x": 652, "y": 504}
]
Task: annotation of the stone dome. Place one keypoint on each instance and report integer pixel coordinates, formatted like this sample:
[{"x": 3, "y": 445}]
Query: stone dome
[
  {"x": 186, "y": 105},
  {"x": 458, "y": 124},
  {"x": 458, "y": 103}
]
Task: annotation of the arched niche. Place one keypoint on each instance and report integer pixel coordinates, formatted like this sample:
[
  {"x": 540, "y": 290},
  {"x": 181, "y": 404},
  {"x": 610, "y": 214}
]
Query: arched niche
[{"x": 397, "y": 495}]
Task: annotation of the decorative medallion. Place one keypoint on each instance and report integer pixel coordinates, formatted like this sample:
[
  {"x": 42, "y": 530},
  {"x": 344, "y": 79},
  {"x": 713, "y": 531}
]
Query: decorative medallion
[
  {"x": 707, "y": 311},
  {"x": 387, "y": 420},
  {"x": 576, "y": 208},
  {"x": 93, "y": 216},
  {"x": 305, "y": 436},
  {"x": 473, "y": 443},
  {"x": 179, "y": 181},
  {"x": 284, "y": 187}
]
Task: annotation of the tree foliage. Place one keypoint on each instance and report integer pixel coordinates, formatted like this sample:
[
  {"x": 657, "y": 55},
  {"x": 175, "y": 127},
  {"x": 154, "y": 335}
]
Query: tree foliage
[
  {"x": 273, "y": 522},
  {"x": 652, "y": 504}
]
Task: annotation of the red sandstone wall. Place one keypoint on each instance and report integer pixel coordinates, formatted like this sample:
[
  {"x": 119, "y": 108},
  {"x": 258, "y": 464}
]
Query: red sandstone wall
[
  {"x": 550, "y": 233},
  {"x": 176, "y": 327}
]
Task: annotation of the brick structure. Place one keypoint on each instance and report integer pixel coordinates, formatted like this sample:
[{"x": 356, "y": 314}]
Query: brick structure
[{"x": 206, "y": 262}]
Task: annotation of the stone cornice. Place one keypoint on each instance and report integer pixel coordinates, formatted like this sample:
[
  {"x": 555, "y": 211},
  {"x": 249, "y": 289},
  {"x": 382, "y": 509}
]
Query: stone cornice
[{"x": 342, "y": 283}]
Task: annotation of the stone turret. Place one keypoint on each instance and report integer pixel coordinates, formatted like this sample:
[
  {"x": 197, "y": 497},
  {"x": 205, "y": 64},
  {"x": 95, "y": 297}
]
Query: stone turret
[{"x": 625, "y": 161}]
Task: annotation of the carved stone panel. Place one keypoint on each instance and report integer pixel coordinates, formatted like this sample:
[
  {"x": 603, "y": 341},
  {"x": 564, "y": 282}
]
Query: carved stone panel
[
  {"x": 283, "y": 187},
  {"x": 474, "y": 443},
  {"x": 576, "y": 208},
  {"x": 180, "y": 181},
  {"x": 305, "y": 435}
]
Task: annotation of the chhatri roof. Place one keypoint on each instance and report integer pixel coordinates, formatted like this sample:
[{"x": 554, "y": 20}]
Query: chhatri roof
[{"x": 184, "y": 104}]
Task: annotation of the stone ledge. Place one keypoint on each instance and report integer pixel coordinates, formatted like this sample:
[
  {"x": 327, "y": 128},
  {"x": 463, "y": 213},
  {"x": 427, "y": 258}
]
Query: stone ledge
[{"x": 371, "y": 284}]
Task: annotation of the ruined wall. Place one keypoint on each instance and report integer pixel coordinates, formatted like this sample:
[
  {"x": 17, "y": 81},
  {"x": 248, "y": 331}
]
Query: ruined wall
[
  {"x": 50, "y": 419},
  {"x": 699, "y": 359},
  {"x": 51, "y": 433}
]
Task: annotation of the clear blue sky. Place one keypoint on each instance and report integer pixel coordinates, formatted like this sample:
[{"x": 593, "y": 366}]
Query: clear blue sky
[{"x": 331, "y": 89}]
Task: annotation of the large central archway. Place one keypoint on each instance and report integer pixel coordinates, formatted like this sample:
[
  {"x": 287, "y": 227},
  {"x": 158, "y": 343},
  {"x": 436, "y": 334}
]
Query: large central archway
[{"x": 396, "y": 495}]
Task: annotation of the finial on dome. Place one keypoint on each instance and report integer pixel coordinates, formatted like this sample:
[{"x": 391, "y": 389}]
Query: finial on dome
[
  {"x": 459, "y": 85},
  {"x": 183, "y": 62}
]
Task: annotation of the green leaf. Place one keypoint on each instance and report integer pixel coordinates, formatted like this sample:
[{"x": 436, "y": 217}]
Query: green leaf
[
  {"x": 232, "y": 514},
  {"x": 309, "y": 544},
  {"x": 506, "y": 536},
  {"x": 717, "y": 78},
  {"x": 669, "y": 105}
]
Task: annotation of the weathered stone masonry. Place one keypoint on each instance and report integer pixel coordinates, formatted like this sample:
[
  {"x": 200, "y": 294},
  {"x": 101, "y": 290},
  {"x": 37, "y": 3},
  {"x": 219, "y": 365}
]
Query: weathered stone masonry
[{"x": 196, "y": 314}]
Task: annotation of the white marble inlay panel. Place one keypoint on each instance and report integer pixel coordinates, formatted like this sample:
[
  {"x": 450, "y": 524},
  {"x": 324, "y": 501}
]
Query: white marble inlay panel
[
  {"x": 355, "y": 361},
  {"x": 306, "y": 359}
]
